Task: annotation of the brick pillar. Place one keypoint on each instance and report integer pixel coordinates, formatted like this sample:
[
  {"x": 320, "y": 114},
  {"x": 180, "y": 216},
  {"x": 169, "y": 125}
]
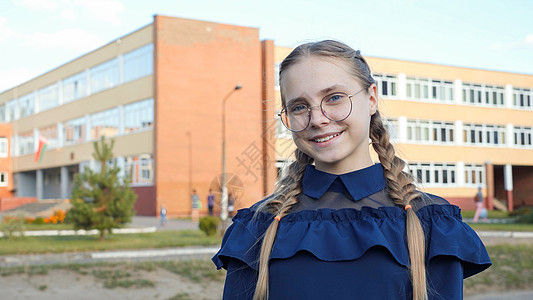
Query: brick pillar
[
  {"x": 489, "y": 175},
  {"x": 269, "y": 120}
]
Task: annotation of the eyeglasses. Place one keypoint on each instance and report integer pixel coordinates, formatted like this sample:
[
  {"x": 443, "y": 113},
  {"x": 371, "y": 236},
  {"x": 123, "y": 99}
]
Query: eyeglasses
[{"x": 336, "y": 107}]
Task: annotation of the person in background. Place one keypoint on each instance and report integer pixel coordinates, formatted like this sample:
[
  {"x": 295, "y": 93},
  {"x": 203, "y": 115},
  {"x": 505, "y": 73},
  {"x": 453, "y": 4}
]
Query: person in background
[
  {"x": 210, "y": 202},
  {"x": 479, "y": 205},
  {"x": 196, "y": 206},
  {"x": 163, "y": 216}
]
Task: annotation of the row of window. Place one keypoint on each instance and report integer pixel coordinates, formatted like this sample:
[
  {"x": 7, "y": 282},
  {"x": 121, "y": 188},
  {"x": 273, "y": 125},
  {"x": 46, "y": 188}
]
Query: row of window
[
  {"x": 426, "y": 89},
  {"x": 426, "y": 131},
  {"x": 118, "y": 120},
  {"x": 130, "y": 66},
  {"x": 443, "y": 91},
  {"x": 139, "y": 169},
  {"x": 445, "y": 174}
]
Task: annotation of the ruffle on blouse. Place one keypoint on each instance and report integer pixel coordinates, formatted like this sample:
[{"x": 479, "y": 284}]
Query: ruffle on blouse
[{"x": 346, "y": 234}]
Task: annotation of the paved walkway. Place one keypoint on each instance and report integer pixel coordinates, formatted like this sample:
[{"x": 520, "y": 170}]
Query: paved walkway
[
  {"x": 172, "y": 224},
  {"x": 510, "y": 295}
]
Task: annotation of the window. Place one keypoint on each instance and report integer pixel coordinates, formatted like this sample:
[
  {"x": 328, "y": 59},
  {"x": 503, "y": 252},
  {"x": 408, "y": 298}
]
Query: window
[
  {"x": 105, "y": 76},
  {"x": 48, "y": 97},
  {"x": 430, "y": 131},
  {"x": 27, "y": 105},
  {"x": 50, "y": 134},
  {"x": 26, "y": 143},
  {"x": 433, "y": 174},
  {"x": 474, "y": 175},
  {"x": 392, "y": 128},
  {"x": 139, "y": 169},
  {"x": 75, "y": 131},
  {"x": 386, "y": 85},
  {"x": 139, "y": 115},
  {"x": 138, "y": 63},
  {"x": 429, "y": 89},
  {"x": 75, "y": 87},
  {"x": 480, "y": 94},
  {"x": 105, "y": 123},
  {"x": 523, "y": 136},
  {"x": 276, "y": 75},
  {"x": 282, "y": 131},
  {"x": 11, "y": 110},
  {"x": 4, "y": 147},
  {"x": 523, "y": 98},
  {"x": 3, "y": 114},
  {"x": 481, "y": 134},
  {"x": 3, "y": 178}
]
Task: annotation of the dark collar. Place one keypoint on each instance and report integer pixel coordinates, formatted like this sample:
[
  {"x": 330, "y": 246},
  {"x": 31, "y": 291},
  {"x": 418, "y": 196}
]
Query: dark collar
[{"x": 359, "y": 183}]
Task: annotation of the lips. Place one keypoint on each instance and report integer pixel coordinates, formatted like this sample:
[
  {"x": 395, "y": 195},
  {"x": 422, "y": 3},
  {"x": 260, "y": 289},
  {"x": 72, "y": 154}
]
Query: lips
[{"x": 325, "y": 137}]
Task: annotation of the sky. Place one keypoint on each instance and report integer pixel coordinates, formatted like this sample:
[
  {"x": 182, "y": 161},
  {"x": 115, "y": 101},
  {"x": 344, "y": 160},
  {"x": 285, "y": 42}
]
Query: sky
[{"x": 37, "y": 36}]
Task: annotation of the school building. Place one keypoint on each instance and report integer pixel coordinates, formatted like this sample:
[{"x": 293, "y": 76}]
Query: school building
[{"x": 167, "y": 95}]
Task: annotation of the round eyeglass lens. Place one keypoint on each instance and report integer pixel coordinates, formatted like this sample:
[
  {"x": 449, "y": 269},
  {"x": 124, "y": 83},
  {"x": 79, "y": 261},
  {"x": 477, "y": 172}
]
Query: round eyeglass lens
[
  {"x": 295, "y": 117},
  {"x": 336, "y": 107}
]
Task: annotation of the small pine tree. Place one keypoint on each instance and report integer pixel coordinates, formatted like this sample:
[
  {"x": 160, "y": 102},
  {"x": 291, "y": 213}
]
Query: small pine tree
[{"x": 99, "y": 200}]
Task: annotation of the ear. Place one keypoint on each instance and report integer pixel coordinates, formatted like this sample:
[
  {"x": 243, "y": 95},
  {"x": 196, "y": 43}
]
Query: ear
[{"x": 373, "y": 98}]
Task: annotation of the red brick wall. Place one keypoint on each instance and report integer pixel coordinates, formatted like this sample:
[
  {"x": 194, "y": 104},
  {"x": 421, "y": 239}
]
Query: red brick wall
[
  {"x": 10, "y": 203},
  {"x": 5, "y": 162},
  {"x": 145, "y": 204},
  {"x": 464, "y": 203},
  {"x": 523, "y": 186},
  {"x": 196, "y": 65}
]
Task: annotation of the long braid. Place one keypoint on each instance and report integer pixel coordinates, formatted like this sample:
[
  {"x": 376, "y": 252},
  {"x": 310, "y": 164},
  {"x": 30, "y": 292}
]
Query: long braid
[
  {"x": 284, "y": 198},
  {"x": 402, "y": 191}
]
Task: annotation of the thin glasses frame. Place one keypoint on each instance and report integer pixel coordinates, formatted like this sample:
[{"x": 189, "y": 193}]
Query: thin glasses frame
[{"x": 309, "y": 108}]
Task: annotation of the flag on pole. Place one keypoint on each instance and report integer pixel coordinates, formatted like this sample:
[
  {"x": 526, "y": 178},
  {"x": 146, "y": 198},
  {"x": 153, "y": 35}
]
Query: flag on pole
[{"x": 42, "y": 146}]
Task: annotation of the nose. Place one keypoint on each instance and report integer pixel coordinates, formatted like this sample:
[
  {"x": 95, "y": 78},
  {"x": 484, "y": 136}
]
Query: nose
[{"x": 317, "y": 116}]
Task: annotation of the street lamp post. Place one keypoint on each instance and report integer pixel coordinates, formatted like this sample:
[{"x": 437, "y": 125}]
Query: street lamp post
[{"x": 224, "y": 200}]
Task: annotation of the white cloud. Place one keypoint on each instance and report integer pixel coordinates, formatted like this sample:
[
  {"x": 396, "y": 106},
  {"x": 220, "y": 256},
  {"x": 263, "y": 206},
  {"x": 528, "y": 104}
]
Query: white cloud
[
  {"x": 14, "y": 77},
  {"x": 37, "y": 4},
  {"x": 526, "y": 42},
  {"x": 68, "y": 14},
  {"x": 529, "y": 39},
  {"x": 106, "y": 10},
  {"x": 71, "y": 38},
  {"x": 5, "y": 31}
]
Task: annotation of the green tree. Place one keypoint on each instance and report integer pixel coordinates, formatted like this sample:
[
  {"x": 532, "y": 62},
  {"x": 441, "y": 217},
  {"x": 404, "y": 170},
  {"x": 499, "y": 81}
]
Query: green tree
[{"x": 99, "y": 199}]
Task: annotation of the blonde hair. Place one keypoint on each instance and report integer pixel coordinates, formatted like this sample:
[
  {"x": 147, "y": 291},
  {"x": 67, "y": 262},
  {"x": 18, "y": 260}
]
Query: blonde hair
[{"x": 400, "y": 184}]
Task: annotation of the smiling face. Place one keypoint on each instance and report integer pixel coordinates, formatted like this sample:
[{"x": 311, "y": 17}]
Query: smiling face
[{"x": 337, "y": 147}]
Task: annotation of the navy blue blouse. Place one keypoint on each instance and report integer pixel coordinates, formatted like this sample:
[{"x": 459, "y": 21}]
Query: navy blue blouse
[{"x": 345, "y": 239}]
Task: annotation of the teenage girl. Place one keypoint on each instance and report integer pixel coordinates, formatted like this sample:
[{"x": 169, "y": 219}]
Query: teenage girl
[{"x": 339, "y": 226}]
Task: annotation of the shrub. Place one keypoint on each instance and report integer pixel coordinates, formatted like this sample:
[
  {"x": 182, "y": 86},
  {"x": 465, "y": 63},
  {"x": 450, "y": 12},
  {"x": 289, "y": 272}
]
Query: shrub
[
  {"x": 38, "y": 221},
  {"x": 12, "y": 227},
  {"x": 526, "y": 216},
  {"x": 209, "y": 225}
]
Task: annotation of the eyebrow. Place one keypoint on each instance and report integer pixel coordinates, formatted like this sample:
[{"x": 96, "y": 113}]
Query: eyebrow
[{"x": 321, "y": 92}]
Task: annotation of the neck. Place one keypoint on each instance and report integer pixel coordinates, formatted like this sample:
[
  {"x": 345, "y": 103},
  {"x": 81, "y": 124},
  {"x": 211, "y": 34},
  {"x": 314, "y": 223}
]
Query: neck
[{"x": 343, "y": 167}]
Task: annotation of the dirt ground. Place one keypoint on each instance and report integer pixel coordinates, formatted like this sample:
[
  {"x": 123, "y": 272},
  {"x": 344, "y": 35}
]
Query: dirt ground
[{"x": 69, "y": 284}]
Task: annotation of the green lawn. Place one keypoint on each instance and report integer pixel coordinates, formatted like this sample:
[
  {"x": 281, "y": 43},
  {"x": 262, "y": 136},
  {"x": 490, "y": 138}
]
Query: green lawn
[
  {"x": 493, "y": 214},
  {"x": 511, "y": 269},
  {"x": 501, "y": 227},
  {"x": 58, "y": 244}
]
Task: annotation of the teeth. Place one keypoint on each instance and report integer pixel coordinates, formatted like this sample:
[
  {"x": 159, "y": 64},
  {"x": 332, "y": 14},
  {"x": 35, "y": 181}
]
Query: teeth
[{"x": 327, "y": 138}]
